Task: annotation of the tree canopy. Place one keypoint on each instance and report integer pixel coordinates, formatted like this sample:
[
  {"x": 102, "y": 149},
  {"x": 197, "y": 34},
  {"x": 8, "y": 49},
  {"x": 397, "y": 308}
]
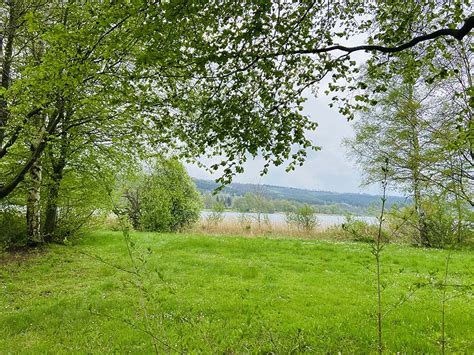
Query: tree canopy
[{"x": 199, "y": 78}]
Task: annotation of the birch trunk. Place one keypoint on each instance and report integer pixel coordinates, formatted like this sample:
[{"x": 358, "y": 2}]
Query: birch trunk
[{"x": 33, "y": 210}]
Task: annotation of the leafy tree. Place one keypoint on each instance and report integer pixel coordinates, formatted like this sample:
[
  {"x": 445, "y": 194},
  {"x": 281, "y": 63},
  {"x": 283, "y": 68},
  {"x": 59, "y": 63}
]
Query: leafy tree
[
  {"x": 395, "y": 130},
  {"x": 89, "y": 157},
  {"x": 82, "y": 114},
  {"x": 234, "y": 87},
  {"x": 411, "y": 126},
  {"x": 454, "y": 117}
]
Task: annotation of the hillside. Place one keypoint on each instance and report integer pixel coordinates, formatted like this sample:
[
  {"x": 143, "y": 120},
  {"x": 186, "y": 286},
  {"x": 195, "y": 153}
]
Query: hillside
[{"x": 301, "y": 195}]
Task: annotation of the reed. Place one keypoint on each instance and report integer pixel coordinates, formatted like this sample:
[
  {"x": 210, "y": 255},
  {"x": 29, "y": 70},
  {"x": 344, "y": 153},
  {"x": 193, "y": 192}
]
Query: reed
[{"x": 234, "y": 227}]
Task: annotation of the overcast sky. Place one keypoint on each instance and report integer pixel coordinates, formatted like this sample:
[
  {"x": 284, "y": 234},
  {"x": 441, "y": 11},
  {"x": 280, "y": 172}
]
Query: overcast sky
[{"x": 329, "y": 169}]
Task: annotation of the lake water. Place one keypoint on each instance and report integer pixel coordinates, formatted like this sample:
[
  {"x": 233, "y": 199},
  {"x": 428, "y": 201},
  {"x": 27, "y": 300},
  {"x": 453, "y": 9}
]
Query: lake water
[{"x": 325, "y": 220}]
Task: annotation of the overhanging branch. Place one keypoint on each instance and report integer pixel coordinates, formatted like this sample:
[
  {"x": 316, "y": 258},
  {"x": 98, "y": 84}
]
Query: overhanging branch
[{"x": 458, "y": 34}]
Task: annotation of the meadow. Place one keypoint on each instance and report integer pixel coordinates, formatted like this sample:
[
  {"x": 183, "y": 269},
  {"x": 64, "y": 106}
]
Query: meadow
[{"x": 196, "y": 293}]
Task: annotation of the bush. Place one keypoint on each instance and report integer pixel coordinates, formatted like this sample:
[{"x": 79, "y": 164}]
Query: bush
[
  {"x": 74, "y": 222},
  {"x": 304, "y": 218},
  {"x": 361, "y": 231},
  {"x": 116, "y": 224},
  {"x": 444, "y": 227},
  {"x": 12, "y": 228},
  {"x": 81, "y": 196},
  {"x": 217, "y": 214},
  {"x": 167, "y": 198},
  {"x": 245, "y": 222},
  {"x": 445, "y": 224}
]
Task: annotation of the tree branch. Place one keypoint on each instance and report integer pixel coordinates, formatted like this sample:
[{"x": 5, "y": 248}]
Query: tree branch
[
  {"x": 16, "y": 132},
  {"x": 6, "y": 189},
  {"x": 458, "y": 34}
]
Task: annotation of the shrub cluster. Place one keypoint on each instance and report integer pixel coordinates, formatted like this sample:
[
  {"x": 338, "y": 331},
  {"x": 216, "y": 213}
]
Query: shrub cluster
[
  {"x": 12, "y": 228},
  {"x": 163, "y": 200}
]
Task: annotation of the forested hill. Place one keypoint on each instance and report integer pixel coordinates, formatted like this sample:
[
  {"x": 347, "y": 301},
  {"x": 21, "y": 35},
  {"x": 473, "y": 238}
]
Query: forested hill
[{"x": 300, "y": 195}]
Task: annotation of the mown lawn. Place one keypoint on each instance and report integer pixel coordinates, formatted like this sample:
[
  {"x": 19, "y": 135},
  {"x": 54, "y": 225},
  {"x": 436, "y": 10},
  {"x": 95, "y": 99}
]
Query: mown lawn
[{"x": 228, "y": 294}]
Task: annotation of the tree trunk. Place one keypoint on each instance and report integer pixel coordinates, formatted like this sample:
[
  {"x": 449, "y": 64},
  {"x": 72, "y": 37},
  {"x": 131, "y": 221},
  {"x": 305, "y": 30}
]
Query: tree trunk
[
  {"x": 458, "y": 204},
  {"x": 33, "y": 211},
  {"x": 414, "y": 164},
  {"x": 51, "y": 212},
  {"x": 420, "y": 214},
  {"x": 58, "y": 164},
  {"x": 6, "y": 58},
  {"x": 33, "y": 205}
]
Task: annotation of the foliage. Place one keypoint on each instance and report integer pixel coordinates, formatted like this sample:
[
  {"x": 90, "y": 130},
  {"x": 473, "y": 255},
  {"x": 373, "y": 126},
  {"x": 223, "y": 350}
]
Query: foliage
[
  {"x": 283, "y": 199},
  {"x": 210, "y": 199},
  {"x": 206, "y": 79},
  {"x": 304, "y": 218},
  {"x": 247, "y": 203},
  {"x": 407, "y": 127},
  {"x": 81, "y": 196},
  {"x": 83, "y": 82},
  {"x": 12, "y": 228},
  {"x": 445, "y": 229},
  {"x": 167, "y": 199},
  {"x": 359, "y": 230}
]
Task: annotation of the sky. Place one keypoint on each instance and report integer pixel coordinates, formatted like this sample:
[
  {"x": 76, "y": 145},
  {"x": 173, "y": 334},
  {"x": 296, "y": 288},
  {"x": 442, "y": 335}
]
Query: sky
[{"x": 329, "y": 169}]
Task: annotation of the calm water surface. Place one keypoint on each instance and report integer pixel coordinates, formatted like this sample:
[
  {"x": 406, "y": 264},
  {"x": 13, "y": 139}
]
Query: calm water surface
[{"x": 324, "y": 219}]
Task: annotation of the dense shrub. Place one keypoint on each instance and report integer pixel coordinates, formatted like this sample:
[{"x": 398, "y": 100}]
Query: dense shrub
[
  {"x": 445, "y": 223},
  {"x": 164, "y": 200},
  {"x": 74, "y": 222},
  {"x": 12, "y": 228},
  {"x": 81, "y": 205}
]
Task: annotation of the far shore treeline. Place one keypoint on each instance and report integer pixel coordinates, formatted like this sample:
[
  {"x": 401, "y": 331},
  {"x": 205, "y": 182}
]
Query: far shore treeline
[{"x": 283, "y": 199}]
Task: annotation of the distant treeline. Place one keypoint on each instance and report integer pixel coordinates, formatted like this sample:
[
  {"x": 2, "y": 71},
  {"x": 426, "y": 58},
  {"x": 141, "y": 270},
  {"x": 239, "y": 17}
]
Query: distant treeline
[{"x": 244, "y": 197}]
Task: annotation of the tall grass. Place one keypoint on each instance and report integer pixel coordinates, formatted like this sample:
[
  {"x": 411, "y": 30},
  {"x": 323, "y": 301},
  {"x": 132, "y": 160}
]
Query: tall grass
[{"x": 273, "y": 229}]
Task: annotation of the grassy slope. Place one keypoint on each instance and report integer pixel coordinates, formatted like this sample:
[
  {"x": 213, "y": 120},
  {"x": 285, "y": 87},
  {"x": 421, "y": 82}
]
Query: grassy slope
[{"x": 229, "y": 294}]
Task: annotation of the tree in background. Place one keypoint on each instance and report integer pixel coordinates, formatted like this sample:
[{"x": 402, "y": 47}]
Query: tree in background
[
  {"x": 216, "y": 215},
  {"x": 262, "y": 205},
  {"x": 414, "y": 125},
  {"x": 394, "y": 129},
  {"x": 452, "y": 172}
]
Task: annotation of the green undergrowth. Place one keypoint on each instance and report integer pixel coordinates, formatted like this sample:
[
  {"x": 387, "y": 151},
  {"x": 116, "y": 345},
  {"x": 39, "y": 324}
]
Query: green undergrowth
[{"x": 231, "y": 294}]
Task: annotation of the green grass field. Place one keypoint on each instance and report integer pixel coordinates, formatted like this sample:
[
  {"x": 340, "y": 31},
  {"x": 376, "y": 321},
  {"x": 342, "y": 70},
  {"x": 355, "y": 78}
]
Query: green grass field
[{"x": 233, "y": 295}]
